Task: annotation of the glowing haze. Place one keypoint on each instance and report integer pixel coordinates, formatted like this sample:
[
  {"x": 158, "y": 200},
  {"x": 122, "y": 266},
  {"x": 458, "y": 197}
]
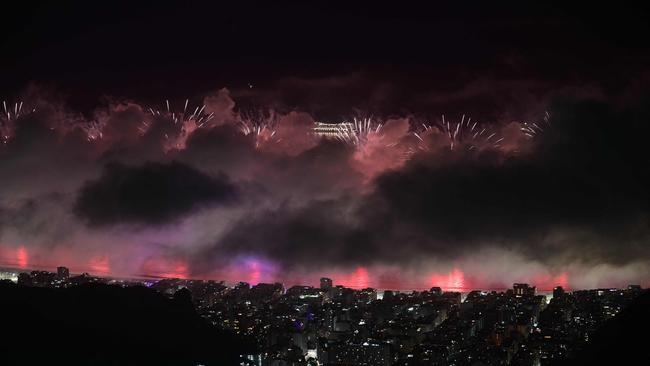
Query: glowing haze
[{"x": 207, "y": 190}]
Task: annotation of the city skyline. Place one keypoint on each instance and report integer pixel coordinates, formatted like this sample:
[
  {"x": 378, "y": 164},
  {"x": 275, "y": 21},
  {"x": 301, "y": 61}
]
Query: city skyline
[
  {"x": 358, "y": 279},
  {"x": 330, "y": 324}
]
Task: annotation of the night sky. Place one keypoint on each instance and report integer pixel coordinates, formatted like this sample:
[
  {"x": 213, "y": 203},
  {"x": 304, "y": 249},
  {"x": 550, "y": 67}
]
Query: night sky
[{"x": 547, "y": 183}]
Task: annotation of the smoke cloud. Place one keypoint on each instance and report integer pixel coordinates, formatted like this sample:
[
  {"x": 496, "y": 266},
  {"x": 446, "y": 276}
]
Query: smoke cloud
[{"x": 413, "y": 201}]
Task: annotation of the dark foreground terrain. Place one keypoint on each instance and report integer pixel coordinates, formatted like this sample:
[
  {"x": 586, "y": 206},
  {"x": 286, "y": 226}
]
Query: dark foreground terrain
[
  {"x": 98, "y": 324},
  {"x": 622, "y": 340}
]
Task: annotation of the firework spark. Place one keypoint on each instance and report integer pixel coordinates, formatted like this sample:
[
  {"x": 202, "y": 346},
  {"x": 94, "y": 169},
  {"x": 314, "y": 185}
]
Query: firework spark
[
  {"x": 357, "y": 132},
  {"x": 9, "y": 117},
  {"x": 533, "y": 129},
  {"x": 94, "y": 130},
  {"x": 465, "y": 132},
  {"x": 185, "y": 122},
  {"x": 260, "y": 125}
]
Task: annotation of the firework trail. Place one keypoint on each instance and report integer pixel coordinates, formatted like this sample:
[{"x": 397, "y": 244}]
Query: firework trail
[
  {"x": 9, "y": 118},
  {"x": 182, "y": 119},
  {"x": 464, "y": 132},
  {"x": 260, "y": 125},
  {"x": 184, "y": 122},
  {"x": 357, "y": 132},
  {"x": 532, "y": 130},
  {"x": 94, "y": 130},
  {"x": 365, "y": 134}
]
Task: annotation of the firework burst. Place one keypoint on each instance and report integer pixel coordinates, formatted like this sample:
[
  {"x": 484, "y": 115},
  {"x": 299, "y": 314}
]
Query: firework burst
[
  {"x": 260, "y": 125},
  {"x": 184, "y": 122},
  {"x": 9, "y": 117},
  {"x": 94, "y": 130},
  {"x": 198, "y": 117},
  {"x": 357, "y": 132},
  {"x": 533, "y": 129},
  {"x": 462, "y": 133}
]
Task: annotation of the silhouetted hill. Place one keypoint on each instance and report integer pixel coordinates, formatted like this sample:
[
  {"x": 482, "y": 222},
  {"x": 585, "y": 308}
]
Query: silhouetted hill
[
  {"x": 107, "y": 325},
  {"x": 622, "y": 340}
]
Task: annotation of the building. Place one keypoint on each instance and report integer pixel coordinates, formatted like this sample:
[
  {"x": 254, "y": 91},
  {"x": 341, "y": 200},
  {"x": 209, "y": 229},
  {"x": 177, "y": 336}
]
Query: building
[
  {"x": 367, "y": 353},
  {"x": 523, "y": 289},
  {"x": 62, "y": 273},
  {"x": 558, "y": 292},
  {"x": 367, "y": 295},
  {"x": 263, "y": 292},
  {"x": 326, "y": 283},
  {"x": 43, "y": 278}
]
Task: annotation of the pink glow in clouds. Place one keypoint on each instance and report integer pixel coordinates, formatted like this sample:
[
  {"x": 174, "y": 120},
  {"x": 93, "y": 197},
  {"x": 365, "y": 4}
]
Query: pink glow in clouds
[
  {"x": 256, "y": 270},
  {"x": 252, "y": 270},
  {"x": 14, "y": 257},
  {"x": 382, "y": 150},
  {"x": 255, "y": 273},
  {"x": 165, "y": 268},
  {"x": 452, "y": 281},
  {"x": 547, "y": 282},
  {"x": 22, "y": 258},
  {"x": 99, "y": 265},
  {"x": 358, "y": 279}
]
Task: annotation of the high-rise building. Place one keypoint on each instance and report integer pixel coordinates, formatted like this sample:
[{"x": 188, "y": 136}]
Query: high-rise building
[
  {"x": 265, "y": 291},
  {"x": 367, "y": 295},
  {"x": 523, "y": 289},
  {"x": 63, "y": 273},
  {"x": 326, "y": 283}
]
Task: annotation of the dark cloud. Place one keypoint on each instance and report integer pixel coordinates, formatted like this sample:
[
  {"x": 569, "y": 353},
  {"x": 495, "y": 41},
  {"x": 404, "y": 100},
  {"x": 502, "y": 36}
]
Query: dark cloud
[
  {"x": 154, "y": 193},
  {"x": 316, "y": 233},
  {"x": 30, "y": 218},
  {"x": 586, "y": 181}
]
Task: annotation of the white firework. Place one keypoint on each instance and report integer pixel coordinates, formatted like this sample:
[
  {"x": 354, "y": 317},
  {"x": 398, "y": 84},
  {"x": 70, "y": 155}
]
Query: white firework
[
  {"x": 9, "y": 117},
  {"x": 260, "y": 125},
  {"x": 94, "y": 130},
  {"x": 198, "y": 117},
  {"x": 184, "y": 120},
  {"x": 357, "y": 132},
  {"x": 464, "y": 132},
  {"x": 533, "y": 129}
]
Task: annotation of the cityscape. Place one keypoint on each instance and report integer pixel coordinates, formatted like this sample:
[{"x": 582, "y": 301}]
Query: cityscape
[{"x": 331, "y": 324}]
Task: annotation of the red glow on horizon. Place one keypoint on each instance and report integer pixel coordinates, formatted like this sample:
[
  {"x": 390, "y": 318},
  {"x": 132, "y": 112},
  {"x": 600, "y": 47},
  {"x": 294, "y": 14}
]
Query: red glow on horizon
[
  {"x": 562, "y": 280},
  {"x": 18, "y": 257},
  {"x": 255, "y": 273},
  {"x": 358, "y": 279},
  {"x": 22, "y": 257},
  {"x": 99, "y": 265},
  {"x": 548, "y": 282},
  {"x": 452, "y": 281},
  {"x": 166, "y": 268}
]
